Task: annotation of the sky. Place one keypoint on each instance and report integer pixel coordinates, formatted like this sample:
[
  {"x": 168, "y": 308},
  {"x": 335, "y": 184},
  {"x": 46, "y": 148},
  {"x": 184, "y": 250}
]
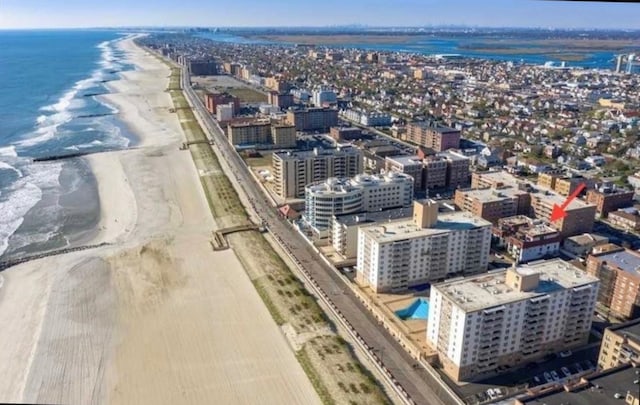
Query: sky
[{"x": 234, "y": 13}]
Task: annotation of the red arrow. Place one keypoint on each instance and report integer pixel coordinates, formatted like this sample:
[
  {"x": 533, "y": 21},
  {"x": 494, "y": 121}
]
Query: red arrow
[{"x": 558, "y": 210}]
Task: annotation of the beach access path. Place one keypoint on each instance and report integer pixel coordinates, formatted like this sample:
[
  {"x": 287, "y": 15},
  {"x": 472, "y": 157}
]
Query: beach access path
[{"x": 158, "y": 316}]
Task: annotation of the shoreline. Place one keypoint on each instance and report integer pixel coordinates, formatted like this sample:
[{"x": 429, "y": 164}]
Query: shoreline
[{"x": 117, "y": 323}]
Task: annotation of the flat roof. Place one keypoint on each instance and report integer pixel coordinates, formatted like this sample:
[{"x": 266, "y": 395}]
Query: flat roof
[
  {"x": 587, "y": 238},
  {"x": 368, "y": 218},
  {"x": 291, "y": 155},
  {"x": 407, "y": 229},
  {"x": 626, "y": 260},
  {"x": 551, "y": 198},
  {"x": 599, "y": 389},
  {"x": 493, "y": 194},
  {"x": 499, "y": 176},
  {"x": 410, "y": 160},
  {"x": 489, "y": 290}
]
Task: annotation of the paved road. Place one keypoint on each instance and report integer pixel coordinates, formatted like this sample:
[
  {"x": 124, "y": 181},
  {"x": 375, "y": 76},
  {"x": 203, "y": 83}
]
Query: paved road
[{"x": 414, "y": 381}]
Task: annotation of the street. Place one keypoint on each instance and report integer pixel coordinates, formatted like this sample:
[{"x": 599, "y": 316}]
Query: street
[{"x": 417, "y": 382}]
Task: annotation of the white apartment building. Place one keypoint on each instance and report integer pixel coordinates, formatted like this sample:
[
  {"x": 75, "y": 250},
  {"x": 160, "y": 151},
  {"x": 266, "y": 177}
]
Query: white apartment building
[
  {"x": 429, "y": 247},
  {"x": 224, "y": 112},
  {"x": 323, "y": 95},
  {"x": 363, "y": 193},
  {"x": 507, "y": 318}
]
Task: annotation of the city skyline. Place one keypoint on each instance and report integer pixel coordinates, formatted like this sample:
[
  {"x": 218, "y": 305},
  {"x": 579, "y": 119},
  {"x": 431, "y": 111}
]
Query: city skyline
[{"x": 253, "y": 13}]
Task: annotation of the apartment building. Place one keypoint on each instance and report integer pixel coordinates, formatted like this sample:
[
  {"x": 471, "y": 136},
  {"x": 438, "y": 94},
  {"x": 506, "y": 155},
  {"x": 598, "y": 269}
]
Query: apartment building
[
  {"x": 434, "y": 173},
  {"x": 618, "y": 271},
  {"x": 410, "y": 165},
  {"x": 533, "y": 242},
  {"x": 581, "y": 245},
  {"x": 345, "y": 133},
  {"x": 620, "y": 345},
  {"x": 399, "y": 254},
  {"x": 609, "y": 198},
  {"x": 496, "y": 179},
  {"x": 249, "y": 133},
  {"x": 579, "y": 219},
  {"x": 312, "y": 119},
  {"x": 344, "y": 228},
  {"x": 363, "y": 193},
  {"x": 493, "y": 203},
  {"x": 627, "y": 219},
  {"x": 282, "y": 100},
  {"x": 283, "y": 135},
  {"x": 293, "y": 171},
  {"x": 433, "y": 135},
  {"x": 277, "y": 84},
  {"x": 561, "y": 183},
  {"x": 224, "y": 112},
  {"x": 508, "y": 318},
  {"x": 213, "y": 100},
  {"x": 458, "y": 173}
]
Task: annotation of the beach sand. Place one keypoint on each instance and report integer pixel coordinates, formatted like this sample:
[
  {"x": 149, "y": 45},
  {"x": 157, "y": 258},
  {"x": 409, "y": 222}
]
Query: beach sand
[{"x": 157, "y": 316}]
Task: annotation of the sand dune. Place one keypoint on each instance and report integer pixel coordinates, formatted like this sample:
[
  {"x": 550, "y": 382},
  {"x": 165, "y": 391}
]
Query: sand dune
[{"x": 157, "y": 317}]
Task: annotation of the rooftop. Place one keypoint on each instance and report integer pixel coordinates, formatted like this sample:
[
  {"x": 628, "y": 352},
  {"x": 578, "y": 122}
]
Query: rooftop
[
  {"x": 489, "y": 290},
  {"x": 405, "y": 160},
  {"x": 626, "y": 260},
  {"x": 597, "y": 389},
  {"x": 494, "y": 195},
  {"x": 499, "y": 176},
  {"x": 366, "y": 218},
  {"x": 587, "y": 239},
  {"x": 407, "y": 229},
  {"x": 550, "y": 198},
  {"x": 299, "y": 155}
]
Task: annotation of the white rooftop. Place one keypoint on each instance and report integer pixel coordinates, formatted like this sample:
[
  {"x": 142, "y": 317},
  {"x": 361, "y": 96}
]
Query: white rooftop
[
  {"x": 489, "y": 290},
  {"x": 407, "y": 229}
]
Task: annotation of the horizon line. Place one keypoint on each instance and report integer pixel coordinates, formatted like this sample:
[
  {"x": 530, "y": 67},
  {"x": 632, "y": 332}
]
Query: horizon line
[{"x": 345, "y": 26}]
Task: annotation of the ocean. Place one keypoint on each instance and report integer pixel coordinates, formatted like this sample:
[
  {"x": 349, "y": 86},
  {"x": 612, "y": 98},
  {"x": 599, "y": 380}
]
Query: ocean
[{"x": 50, "y": 104}]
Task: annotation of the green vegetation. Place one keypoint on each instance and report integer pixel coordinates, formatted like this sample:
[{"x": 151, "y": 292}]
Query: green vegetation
[{"x": 247, "y": 95}]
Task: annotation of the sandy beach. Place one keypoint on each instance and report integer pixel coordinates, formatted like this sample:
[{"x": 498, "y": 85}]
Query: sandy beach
[{"x": 156, "y": 317}]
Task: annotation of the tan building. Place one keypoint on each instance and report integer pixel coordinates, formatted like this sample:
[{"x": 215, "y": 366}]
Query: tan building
[
  {"x": 620, "y": 345},
  {"x": 313, "y": 119},
  {"x": 262, "y": 132},
  {"x": 283, "y": 136},
  {"x": 607, "y": 199},
  {"x": 509, "y": 318},
  {"x": 345, "y": 133},
  {"x": 295, "y": 170},
  {"x": 494, "y": 179},
  {"x": 493, "y": 204},
  {"x": 249, "y": 133},
  {"x": 628, "y": 219},
  {"x": 618, "y": 270},
  {"x": 581, "y": 245},
  {"x": 562, "y": 184},
  {"x": 433, "y": 135},
  {"x": 276, "y": 84},
  {"x": 580, "y": 216},
  {"x": 410, "y": 165}
]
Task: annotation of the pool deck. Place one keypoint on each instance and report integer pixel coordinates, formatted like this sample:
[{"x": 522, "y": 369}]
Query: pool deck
[{"x": 414, "y": 329}]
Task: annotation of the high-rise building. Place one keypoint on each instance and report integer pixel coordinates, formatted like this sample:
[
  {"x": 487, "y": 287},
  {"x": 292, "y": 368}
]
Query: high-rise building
[
  {"x": 363, "y": 193},
  {"x": 282, "y": 100},
  {"x": 249, "y": 133},
  {"x": 213, "y": 100},
  {"x": 619, "y": 272},
  {"x": 433, "y": 135},
  {"x": 283, "y": 135},
  {"x": 508, "y": 318},
  {"x": 295, "y": 170},
  {"x": 399, "y": 254},
  {"x": 313, "y": 119},
  {"x": 344, "y": 228}
]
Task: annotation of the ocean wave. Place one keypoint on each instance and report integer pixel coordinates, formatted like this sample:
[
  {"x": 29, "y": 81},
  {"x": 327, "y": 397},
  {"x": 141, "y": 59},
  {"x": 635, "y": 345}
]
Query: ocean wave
[
  {"x": 46, "y": 125},
  {"x": 9, "y": 151},
  {"x": 14, "y": 207},
  {"x": 7, "y": 166}
]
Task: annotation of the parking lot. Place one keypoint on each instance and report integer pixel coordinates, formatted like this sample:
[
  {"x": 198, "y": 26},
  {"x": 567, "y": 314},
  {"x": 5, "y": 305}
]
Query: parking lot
[{"x": 549, "y": 370}]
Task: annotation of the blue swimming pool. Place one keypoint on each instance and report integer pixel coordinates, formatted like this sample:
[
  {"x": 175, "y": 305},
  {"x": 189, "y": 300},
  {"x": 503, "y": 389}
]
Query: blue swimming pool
[{"x": 419, "y": 309}]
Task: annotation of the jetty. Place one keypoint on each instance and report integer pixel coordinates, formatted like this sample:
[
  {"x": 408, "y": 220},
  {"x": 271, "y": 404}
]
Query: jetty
[
  {"x": 185, "y": 145},
  {"x": 5, "y": 264},
  {"x": 219, "y": 241}
]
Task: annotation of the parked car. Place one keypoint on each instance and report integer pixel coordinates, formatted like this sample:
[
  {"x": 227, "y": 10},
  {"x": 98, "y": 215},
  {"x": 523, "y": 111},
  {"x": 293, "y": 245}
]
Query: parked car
[
  {"x": 565, "y": 353},
  {"x": 537, "y": 380},
  {"x": 547, "y": 377},
  {"x": 579, "y": 368},
  {"x": 555, "y": 375},
  {"x": 565, "y": 371}
]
